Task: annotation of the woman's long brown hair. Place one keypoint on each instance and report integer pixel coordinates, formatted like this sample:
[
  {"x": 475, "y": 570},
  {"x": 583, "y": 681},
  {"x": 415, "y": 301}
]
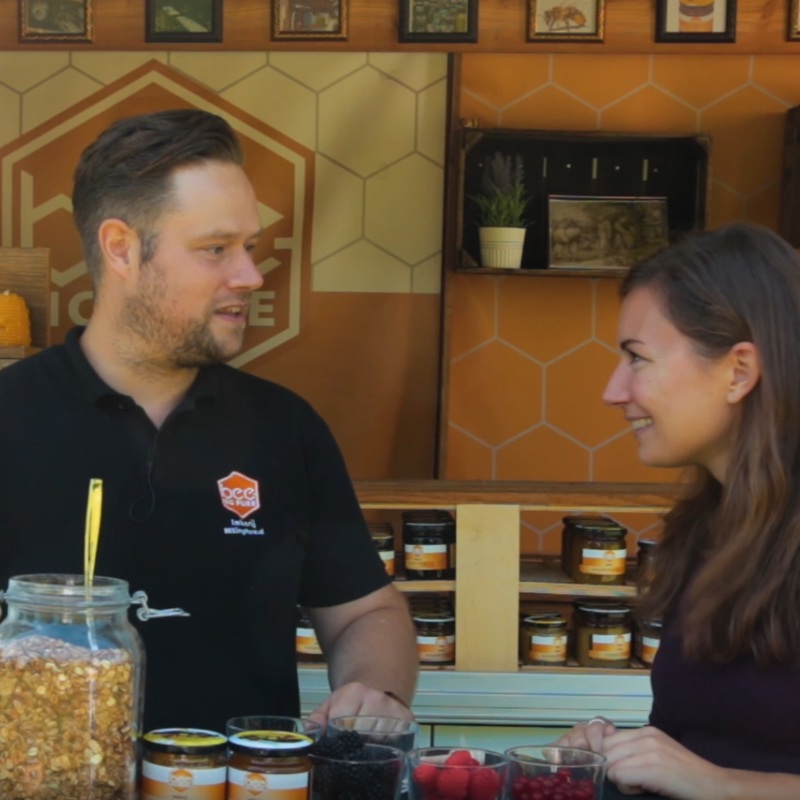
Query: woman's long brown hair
[{"x": 730, "y": 554}]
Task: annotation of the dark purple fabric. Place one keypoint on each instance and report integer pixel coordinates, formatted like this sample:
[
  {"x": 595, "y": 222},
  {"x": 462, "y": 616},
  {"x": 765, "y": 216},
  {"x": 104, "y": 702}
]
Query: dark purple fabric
[{"x": 735, "y": 715}]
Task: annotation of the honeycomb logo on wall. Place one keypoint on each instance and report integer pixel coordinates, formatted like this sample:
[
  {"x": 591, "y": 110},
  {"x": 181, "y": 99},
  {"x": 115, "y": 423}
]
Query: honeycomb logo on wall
[{"x": 36, "y": 211}]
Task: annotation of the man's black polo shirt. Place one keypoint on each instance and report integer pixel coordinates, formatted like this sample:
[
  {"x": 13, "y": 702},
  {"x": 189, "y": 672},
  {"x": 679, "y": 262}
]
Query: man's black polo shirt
[{"x": 238, "y": 508}]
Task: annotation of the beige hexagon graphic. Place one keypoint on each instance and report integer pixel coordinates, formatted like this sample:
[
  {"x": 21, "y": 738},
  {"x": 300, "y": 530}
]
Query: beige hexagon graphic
[
  {"x": 379, "y": 131},
  {"x": 36, "y": 185},
  {"x": 317, "y": 70},
  {"x": 362, "y": 267},
  {"x": 21, "y": 70},
  {"x": 431, "y": 124},
  {"x": 218, "y": 70},
  {"x": 416, "y": 73},
  {"x": 495, "y": 393},
  {"x": 110, "y": 65},
  {"x": 57, "y": 94},
  {"x": 575, "y": 385},
  {"x": 338, "y": 208},
  {"x": 407, "y": 196},
  {"x": 10, "y": 118}
]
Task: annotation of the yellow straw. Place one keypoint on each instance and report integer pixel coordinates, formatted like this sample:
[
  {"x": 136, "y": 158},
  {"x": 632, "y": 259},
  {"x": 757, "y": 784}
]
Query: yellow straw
[{"x": 94, "y": 510}]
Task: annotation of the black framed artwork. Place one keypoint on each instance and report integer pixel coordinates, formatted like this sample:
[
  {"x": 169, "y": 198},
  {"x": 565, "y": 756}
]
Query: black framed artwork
[
  {"x": 438, "y": 21},
  {"x": 695, "y": 21},
  {"x": 183, "y": 21}
]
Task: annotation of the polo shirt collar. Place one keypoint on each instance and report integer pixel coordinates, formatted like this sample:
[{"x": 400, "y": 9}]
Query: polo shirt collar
[{"x": 206, "y": 385}]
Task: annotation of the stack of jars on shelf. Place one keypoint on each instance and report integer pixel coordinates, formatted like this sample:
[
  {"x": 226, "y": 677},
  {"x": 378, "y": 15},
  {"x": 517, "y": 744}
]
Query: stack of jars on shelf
[{"x": 595, "y": 631}]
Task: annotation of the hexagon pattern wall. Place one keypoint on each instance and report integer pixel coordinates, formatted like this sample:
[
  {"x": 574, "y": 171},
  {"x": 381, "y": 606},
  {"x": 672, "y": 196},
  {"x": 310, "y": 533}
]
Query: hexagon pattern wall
[{"x": 529, "y": 357}]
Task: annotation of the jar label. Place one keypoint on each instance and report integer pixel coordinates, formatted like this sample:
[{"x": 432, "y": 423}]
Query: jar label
[
  {"x": 649, "y": 649},
  {"x": 610, "y": 646},
  {"x": 548, "y": 648},
  {"x": 306, "y": 642},
  {"x": 244, "y": 785},
  {"x": 387, "y": 556},
  {"x": 435, "y": 649},
  {"x": 602, "y": 562},
  {"x": 159, "y": 781},
  {"x": 426, "y": 556}
]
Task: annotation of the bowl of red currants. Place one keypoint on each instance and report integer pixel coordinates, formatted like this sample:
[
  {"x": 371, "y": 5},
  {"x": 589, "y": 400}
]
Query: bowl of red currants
[{"x": 550, "y": 772}]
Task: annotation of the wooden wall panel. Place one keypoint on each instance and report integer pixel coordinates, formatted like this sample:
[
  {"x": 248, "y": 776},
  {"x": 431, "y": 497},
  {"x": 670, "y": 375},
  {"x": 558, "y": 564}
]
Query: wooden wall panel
[{"x": 119, "y": 25}]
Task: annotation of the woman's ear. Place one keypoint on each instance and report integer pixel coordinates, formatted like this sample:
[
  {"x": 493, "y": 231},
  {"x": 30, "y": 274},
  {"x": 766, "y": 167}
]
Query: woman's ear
[
  {"x": 119, "y": 244},
  {"x": 745, "y": 371}
]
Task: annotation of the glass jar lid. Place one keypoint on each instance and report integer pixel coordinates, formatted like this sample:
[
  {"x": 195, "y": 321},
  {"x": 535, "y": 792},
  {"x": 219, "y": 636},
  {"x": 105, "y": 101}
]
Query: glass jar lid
[
  {"x": 433, "y": 616},
  {"x": 546, "y": 619},
  {"x": 271, "y": 743},
  {"x": 192, "y": 741},
  {"x": 54, "y": 590}
]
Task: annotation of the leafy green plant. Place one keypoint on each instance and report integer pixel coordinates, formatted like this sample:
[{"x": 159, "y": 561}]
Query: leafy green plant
[{"x": 503, "y": 200}]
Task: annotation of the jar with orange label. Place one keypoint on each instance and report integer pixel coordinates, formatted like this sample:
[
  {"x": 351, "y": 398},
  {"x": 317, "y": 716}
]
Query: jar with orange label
[
  {"x": 306, "y": 644},
  {"x": 648, "y": 639},
  {"x": 644, "y": 560},
  {"x": 598, "y": 553},
  {"x": 436, "y": 638},
  {"x": 570, "y": 522},
  {"x": 269, "y": 765},
  {"x": 543, "y": 640},
  {"x": 382, "y": 534},
  {"x": 188, "y": 763},
  {"x": 429, "y": 544},
  {"x": 602, "y": 634}
]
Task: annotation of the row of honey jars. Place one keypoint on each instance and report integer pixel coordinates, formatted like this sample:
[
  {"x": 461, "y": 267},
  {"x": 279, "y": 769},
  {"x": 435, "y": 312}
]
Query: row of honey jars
[
  {"x": 435, "y": 623},
  {"x": 593, "y": 550},
  {"x": 429, "y": 545},
  {"x": 190, "y": 762}
]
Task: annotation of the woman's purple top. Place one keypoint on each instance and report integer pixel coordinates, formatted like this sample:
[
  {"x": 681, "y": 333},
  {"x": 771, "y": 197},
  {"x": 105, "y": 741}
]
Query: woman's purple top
[{"x": 735, "y": 715}]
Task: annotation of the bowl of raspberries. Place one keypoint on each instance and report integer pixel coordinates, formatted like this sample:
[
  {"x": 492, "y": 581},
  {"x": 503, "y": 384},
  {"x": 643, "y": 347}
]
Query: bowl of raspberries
[
  {"x": 444, "y": 773},
  {"x": 550, "y": 772}
]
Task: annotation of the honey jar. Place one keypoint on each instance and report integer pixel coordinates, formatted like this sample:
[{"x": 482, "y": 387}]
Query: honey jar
[
  {"x": 429, "y": 544},
  {"x": 436, "y": 637},
  {"x": 543, "y": 640},
  {"x": 597, "y": 552},
  {"x": 569, "y": 522},
  {"x": 269, "y": 764},
  {"x": 382, "y": 535},
  {"x": 647, "y": 640},
  {"x": 188, "y": 763},
  {"x": 306, "y": 644},
  {"x": 644, "y": 560},
  {"x": 602, "y": 634}
]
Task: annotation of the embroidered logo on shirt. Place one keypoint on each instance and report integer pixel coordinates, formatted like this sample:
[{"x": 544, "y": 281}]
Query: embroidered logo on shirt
[{"x": 239, "y": 494}]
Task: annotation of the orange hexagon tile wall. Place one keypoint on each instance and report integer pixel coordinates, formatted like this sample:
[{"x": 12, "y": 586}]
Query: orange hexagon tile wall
[{"x": 511, "y": 335}]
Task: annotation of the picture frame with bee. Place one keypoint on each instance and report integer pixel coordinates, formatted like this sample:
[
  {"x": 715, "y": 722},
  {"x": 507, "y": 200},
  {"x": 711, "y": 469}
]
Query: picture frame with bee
[
  {"x": 566, "y": 20},
  {"x": 695, "y": 21}
]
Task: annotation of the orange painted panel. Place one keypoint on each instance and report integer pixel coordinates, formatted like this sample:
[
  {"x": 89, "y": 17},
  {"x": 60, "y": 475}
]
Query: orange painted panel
[
  {"x": 700, "y": 80},
  {"x": 543, "y": 454},
  {"x": 600, "y": 81}
]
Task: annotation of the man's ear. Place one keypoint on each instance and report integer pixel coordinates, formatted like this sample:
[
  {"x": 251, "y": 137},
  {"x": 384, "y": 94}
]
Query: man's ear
[
  {"x": 119, "y": 244},
  {"x": 745, "y": 371}
]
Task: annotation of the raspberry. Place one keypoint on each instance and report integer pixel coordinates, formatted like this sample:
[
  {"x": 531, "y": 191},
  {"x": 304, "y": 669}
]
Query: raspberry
[
  {"x": 453, "y": 783},
  {"x": 461, "y": 758},
  {"x": 425, "y": 776},
  {"x": 484, "y": 784}
]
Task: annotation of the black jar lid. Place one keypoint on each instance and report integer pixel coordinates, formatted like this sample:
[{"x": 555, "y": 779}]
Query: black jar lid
[
  {"x": 588, "y": 605},
  {"x": 606, "y": 528},
  {"x": 425, "y": 518},
  {"x": 380, "y": 528},
  {"x": 647, "y": 544},
  {"x": 191, "y": 741},
  {"x": 573, "y": 519}
]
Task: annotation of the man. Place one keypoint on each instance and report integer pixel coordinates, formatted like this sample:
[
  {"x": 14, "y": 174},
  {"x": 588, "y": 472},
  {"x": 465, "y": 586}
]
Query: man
[{"x": 225, "y": 494}]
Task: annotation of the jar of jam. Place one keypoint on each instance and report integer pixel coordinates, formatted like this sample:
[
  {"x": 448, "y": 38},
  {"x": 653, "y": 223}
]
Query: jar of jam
[
  {"x": 644, "y": 560},
  {"x": 429, "y": 543},
  {"x": 190, "y": 763},
  {"x": 543, "y": 640},
  {"x": 306, "y": 644},
  {"x": 597, "y": 552},
  {"x": 382, "y": 535},
  {"x": 569, "y": 522},
  {"x": 647, "y": 640},
  {"x": 269, "y": 764},
  {"x": 436, "y": 638},
  {"x": 602, "y": 634}
]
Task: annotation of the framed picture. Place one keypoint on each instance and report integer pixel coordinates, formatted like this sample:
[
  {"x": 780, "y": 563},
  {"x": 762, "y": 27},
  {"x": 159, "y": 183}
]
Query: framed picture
[
  {"x": 695, "y": 20},
  {"x": 55, "y": 21},
  {"x": 566, "y": 20},
  {"x": 183, "y": 21},
  {"x": 309, "y": 19},
  {"x": 601, "y": 232},
  {"x": 793, "y": 28},
  {"x": 438, "y": 21}
]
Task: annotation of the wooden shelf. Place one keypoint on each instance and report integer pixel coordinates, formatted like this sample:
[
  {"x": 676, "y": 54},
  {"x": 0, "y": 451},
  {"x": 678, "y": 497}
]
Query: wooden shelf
[
  {"x": 544, "y": 576},
  {"x": 425, "y": 586},
  {"x": 524, "y": 272}
]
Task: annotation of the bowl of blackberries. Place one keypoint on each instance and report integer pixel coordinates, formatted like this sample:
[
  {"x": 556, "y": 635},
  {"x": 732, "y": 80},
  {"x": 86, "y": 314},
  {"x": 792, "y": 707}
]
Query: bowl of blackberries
[
  {"x": 445, "y": 773},
  {"x": 346, "y": 767}
]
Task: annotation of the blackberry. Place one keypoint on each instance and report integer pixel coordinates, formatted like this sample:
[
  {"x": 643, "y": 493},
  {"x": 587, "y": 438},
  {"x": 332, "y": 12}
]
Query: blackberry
[
  {"x": 367, "y": 776},
  {"x": 344, "y": 745}
]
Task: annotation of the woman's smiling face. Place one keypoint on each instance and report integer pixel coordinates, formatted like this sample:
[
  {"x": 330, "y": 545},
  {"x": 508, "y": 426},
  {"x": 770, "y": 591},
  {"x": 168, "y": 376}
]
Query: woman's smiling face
[{"x": 678, "y": 401}]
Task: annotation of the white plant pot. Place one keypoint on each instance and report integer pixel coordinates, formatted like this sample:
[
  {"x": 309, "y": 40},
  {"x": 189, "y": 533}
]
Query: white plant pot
[{"x": 501, "y": 247}]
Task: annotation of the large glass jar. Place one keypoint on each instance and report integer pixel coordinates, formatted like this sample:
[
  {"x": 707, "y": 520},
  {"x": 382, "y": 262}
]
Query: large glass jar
[{"x": 71, "y": 669}]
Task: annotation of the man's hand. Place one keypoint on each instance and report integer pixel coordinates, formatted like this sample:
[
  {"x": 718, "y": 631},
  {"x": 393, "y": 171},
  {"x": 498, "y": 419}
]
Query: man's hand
[{"x": 356, "y": 699}]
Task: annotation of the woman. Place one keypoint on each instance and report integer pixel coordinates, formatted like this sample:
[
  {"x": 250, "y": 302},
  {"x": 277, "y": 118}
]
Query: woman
[{"x": 710, "y": 379}]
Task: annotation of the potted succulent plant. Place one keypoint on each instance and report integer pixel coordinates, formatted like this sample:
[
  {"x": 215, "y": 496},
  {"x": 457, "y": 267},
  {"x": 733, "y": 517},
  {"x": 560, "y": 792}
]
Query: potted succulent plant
[{"x": 501, "y": 206}]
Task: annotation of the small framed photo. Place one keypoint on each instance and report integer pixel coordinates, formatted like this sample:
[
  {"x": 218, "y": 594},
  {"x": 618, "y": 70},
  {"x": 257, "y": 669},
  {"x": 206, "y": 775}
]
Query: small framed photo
[
  {"x": 566, "y": 20},
  {"x": 793, "y": 28},
  {"x": 309, "y": 19},
  {"x": 183, "y": 21},
  {"x": 602, "y": 232},
  {"x": 438, "y": 21},
  {"x": 695, "y": 20},
  {"x": 55, "y": 21}
]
